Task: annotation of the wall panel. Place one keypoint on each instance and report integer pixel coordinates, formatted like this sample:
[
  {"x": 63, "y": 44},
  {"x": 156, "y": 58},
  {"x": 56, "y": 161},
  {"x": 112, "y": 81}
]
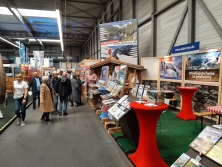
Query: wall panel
[
  {"x": 183, "y": 35},
  {"x": 162, "y": 3},
  {"x": 115, "y": 5},
  {"x": 143, "y": 10},
  {"x": 167, "y": 23},
  {"x": 127, "y": 9},
  {"x": 205, "y": 32},
  {"x": 145, "y": 40}
]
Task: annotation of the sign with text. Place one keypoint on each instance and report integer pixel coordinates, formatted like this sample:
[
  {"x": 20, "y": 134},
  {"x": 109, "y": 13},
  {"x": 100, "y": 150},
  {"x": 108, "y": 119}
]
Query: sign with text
[
  {"x": 119, "y": 40},
  {"x": 187, "y": 48},
  {"x": 203, "y": 67}
]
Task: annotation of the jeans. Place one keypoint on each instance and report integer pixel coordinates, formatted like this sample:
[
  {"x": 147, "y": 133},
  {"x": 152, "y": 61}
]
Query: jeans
[
  {"x": 20, "y": 107},
  {"x": 56, "y": 102},
  {"x": 63, "y": 99},
  {"x": 34, "y": 99}
]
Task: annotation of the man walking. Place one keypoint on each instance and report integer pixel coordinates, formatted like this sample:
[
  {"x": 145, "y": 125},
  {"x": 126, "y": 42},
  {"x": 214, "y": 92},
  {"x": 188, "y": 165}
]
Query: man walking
[
  {"x": 63, "y": 90},
  {"x": 53, "y": 84},
  {"x": 34, "y": 85}
]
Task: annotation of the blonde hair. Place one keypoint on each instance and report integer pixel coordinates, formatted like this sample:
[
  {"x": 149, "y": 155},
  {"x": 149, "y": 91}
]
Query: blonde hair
[
  {"x": 45, "y": 79},
  {"x": 19, "y": 75}
]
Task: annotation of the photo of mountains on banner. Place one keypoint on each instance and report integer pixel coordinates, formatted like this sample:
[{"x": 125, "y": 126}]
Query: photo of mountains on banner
[
  {"x": 203, "y": 67},
  {"x": 119, "y": 40}
]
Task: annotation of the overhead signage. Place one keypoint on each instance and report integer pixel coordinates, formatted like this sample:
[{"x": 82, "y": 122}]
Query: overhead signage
[{"x": 187, "y": 48}]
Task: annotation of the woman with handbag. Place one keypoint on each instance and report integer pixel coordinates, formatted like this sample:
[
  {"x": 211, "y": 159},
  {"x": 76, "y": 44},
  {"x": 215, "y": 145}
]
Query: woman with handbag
[{"x": 46, "y": 100}]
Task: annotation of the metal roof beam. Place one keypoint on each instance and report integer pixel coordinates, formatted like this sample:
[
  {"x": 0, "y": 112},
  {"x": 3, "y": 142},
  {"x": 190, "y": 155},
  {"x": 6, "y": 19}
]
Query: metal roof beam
[
  {"x": 80, "y": 17},
  {"x": 41, "y": 35},
  {"x": 85, "y": 2}
]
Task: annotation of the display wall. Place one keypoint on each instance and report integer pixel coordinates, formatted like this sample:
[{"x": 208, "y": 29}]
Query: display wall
[{"x": 204, "y": 68}]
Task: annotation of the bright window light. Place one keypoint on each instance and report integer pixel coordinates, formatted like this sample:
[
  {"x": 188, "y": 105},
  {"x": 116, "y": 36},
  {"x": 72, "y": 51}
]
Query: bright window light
[
  {"x": 10, "y": 42},
  {"x": 60, "y": 28},
  {"x": 30, "y": 12}
]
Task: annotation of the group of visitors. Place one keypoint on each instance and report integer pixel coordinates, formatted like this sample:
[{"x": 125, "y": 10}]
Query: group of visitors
[{"x": 52, "y": 94}]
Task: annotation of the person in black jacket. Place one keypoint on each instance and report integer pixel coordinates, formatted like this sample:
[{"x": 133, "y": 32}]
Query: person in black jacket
[
  {"x": 34, "y": 85},
  {"x": 63, "y": 90},
  {"x": 53, "y": 84}
]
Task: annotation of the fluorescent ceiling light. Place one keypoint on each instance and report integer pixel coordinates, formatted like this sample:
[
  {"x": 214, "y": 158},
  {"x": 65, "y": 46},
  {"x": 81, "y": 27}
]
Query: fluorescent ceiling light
[
  {"x": 60, "y": 28},
  {"x": 10, "y": 42},
  {"x": 30, "y": 12},
  {"x": 43, "y": 40}
]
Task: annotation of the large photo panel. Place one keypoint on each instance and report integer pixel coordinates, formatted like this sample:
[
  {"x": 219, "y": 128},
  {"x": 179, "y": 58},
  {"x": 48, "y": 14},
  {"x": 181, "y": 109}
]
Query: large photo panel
[
  {"x": 203, "y": 67},
  {"x": 119, "y": 40},
  {"x": 171, "y": 67}
]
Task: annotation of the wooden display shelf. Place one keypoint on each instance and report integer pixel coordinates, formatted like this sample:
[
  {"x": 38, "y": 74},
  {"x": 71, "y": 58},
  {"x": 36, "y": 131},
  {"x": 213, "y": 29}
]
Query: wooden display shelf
[{"x": 93, "y": 106}]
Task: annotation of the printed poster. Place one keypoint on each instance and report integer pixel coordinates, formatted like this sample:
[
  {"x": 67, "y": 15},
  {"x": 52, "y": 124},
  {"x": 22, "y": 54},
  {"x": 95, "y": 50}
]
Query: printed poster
[
  {"x": 203, "y": 67},
  {"x": 104, "y": 73},
  {"x": 171, "y": 67},
  {"x": 119, "y": 40},
  {"x": 38, "y": 58}
]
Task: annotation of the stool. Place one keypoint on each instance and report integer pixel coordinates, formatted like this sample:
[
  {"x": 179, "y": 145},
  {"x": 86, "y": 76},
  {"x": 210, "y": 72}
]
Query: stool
[
  {"x": 166, "y": 101},
  {"x": 201, "y": 115}
]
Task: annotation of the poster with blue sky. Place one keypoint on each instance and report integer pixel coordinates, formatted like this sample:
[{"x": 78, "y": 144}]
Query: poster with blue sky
[
  {"x": 171, "y": 67},
  {"x": 119, "y": 40},
  {"x": 203, "y": 66}
]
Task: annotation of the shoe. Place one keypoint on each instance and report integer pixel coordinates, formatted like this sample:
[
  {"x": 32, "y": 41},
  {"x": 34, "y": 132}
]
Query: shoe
[
  {"x": 18, "y": 121},
  {"x": 60, "y": 114},
  {"x": 33, "y": 108},
  {"x": 23, "y": 123},
  {"x": 56, "y": 112},
  {"x": 81, "y": 103},
  {"x": 72, "y": 105},
  {"x": 65, "y": 113},
  {"x": 43, "y": 120},
  {"x": 49, "y": 122}
]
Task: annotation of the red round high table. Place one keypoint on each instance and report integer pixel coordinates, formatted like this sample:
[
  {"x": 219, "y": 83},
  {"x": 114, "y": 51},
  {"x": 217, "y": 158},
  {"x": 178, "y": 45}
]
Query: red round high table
[
  {"x": 147, "y": 154},
  {"x": 186, "y": 111}
]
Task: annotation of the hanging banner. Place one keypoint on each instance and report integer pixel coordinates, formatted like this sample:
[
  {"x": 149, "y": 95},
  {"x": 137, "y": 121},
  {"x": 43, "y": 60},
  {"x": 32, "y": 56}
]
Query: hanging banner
[
  {"x": 119, "y": 40},
  {"x": 38, "y": 58},
  {"x": 171, "y": 67},
  {"x": 203, "y": 67},
  {"x": 22, "y": 53}
]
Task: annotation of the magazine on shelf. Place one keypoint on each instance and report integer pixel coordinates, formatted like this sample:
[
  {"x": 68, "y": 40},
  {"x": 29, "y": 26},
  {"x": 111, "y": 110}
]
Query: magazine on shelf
[
  {"x": 115, "y": 76},
  {"x": 135, "y": 89},
  {"x": 122, "y": 99},
  {"x": 146, "y": 88},
  {"x": 126, "y": 103},
  {"x": 182, "y": 160},
  {"x": 217, "y": 126},
  {"x": 215, "y": 154},
  {"x": 115, "y": 93},
  {"x": 206, "y": 139},
  {"x": 140, "y": 91},
  {"x": 192, "y": 163}
]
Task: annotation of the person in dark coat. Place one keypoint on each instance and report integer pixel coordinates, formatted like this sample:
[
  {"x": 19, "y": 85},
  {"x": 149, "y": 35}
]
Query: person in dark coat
[
  {"x": 63, "y": 90},
  {"x": 76, "y": 84},
  {"x": 53, "y": 84},
  {"x": 34, "y": 85}
]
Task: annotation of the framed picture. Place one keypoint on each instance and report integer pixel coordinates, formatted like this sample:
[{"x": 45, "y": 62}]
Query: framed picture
[{"x": 104, "y": 73}]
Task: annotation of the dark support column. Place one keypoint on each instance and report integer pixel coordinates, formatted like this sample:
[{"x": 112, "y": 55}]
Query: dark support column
[
  {"x": 133, "y": 9},
  {"x": 120, "y": 10},
  {"x": 191, "y": 20},
  {"x": 105, "y": 17},
  {"x": 153, "y": 29}
]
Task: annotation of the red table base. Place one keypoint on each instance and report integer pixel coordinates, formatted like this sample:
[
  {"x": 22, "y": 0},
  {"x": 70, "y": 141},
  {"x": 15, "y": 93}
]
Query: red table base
[
  {"x": 186, "y": 112},
  {"x": 147, "y": 154}
]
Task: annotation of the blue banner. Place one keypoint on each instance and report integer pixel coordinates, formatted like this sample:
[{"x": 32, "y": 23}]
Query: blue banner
[{"x": 187, "y": 48}]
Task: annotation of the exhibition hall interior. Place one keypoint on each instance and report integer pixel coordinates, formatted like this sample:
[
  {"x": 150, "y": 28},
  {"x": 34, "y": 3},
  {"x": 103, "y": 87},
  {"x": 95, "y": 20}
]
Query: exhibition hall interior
[{"x": 110, "y": 83}]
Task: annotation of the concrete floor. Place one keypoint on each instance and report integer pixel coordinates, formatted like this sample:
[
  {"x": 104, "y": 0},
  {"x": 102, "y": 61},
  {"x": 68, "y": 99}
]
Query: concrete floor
[{"x": 76, "y": 140}]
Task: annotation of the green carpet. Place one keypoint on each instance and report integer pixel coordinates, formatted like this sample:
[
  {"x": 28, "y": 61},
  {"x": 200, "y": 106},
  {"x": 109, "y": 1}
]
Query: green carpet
[
  {"x": 8, "y": 112},
  {"x": 182, "y": 134}
]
